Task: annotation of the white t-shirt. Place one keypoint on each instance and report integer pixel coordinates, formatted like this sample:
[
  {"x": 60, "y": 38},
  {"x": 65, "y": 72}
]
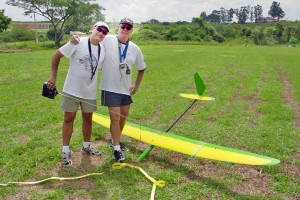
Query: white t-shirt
[
  {"x": 113, "y": 78},
  {"x": 78, "y": 82}
]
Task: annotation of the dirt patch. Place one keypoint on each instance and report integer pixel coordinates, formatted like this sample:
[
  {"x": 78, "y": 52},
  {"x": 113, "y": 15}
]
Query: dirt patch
[
  {"x": 253, "y": 181},
  {"x": 288, "y": 99},
  {"x": 15, "y": 50},
  {"x": 22, "y": 139},
  {"x": 141, "y": 146},
  {"x": 294, "y": 104}
]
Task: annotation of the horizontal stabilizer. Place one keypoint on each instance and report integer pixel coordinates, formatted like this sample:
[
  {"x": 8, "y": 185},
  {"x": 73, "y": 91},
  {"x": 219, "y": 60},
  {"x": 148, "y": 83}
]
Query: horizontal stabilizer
[{"x": 197, "y": 97}]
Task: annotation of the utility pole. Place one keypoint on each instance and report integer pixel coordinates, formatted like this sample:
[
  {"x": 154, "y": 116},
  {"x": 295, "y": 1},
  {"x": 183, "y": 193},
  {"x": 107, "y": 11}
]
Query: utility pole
[{"x": 36, "y": 37}]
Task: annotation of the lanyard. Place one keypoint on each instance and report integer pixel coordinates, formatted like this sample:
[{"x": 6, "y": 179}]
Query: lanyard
[
  {"x": 91, "y": 58},
  {"x": 122, "y": 55}
]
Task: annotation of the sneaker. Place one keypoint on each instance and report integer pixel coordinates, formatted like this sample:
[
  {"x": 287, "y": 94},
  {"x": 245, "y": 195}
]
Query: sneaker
[
  {"x": 119, "y": 156},
  {"x": 66, "y": 159},
  {"x": 122, "y": 145},
  {"x": 90, "y": 151}
]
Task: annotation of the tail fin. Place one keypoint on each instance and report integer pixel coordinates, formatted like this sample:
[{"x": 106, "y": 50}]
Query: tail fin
[{"x": 199, "y": 84}]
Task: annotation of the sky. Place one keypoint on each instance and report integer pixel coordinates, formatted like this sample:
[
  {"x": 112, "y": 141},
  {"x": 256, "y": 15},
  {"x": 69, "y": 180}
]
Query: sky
[{"x": 167, "y": 11}]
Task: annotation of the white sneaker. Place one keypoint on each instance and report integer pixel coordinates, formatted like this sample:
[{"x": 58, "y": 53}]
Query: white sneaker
[
  {"x": 119, "y": 157},
  {"x": 90, "y": 151},
  {"x": 66, "y": 159}
]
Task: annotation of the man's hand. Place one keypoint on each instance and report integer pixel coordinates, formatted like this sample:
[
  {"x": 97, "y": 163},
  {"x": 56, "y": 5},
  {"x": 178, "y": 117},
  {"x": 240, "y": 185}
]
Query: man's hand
[
  {"x": 51, "y": 83},
  {"x": 75, "y": 39},
  {"x": 133, "y": 90}
]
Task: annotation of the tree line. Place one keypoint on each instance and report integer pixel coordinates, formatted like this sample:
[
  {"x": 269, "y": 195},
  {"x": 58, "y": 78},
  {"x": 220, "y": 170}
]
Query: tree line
[
  {"x": 243, "y": 14},
  {"x": 280, "y": 32}
]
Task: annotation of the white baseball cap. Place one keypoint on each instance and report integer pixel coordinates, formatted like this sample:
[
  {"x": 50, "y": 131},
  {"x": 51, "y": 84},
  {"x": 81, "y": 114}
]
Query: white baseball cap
[{"x": 101, "y": 24}]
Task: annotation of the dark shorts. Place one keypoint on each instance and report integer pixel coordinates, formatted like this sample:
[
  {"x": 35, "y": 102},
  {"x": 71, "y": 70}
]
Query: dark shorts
[{"x": 111, "y": 99}]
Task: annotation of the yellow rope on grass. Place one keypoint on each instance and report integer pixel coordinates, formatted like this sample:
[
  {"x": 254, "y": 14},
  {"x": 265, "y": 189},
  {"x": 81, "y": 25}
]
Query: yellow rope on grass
[
  {"x": 51, "y": 178},
  {"x": 159, "y": 183},
  {"x": 115, "y": 166}
]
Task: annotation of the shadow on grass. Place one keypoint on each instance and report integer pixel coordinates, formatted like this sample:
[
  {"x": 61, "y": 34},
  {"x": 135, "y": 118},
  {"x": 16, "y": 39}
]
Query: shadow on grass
[{"x": 179, "y": 164}]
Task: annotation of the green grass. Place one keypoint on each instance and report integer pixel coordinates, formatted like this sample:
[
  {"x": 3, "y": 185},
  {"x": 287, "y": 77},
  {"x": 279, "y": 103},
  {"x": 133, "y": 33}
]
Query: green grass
[{"x": 257, "y": 93}]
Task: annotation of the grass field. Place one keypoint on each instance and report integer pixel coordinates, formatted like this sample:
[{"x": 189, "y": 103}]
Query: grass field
[{"x": 257, "y": 109}]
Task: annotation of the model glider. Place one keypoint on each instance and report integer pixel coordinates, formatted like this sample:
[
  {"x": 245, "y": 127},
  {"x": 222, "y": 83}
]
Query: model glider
[{"x": 186, "y": 145}]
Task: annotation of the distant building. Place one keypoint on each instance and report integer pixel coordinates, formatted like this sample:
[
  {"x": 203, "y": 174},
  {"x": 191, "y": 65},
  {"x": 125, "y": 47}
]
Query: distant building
[
  {"x": 34, "y": 25},
  {"x": 268, "y": 19}
]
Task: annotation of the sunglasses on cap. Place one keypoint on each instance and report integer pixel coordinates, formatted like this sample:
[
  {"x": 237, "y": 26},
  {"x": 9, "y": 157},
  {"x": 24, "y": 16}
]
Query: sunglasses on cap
[
  {"x": 126, "y": 26},
  {"x": 101, "y": 30}
]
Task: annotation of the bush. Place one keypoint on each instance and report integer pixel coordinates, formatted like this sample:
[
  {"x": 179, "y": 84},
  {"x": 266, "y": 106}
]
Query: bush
[
  {"x": 147, "y": 34},
  {"x": 18, "y": 34},
  {"x": 218, "y": 38},
  {"x": 293, "y": 40}
]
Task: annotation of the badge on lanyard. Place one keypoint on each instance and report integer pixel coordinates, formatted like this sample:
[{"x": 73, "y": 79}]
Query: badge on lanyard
[{"x": 122, "y": 55}]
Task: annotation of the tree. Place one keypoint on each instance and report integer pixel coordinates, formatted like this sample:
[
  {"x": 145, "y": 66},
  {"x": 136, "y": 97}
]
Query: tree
[
  {"x": 230, "y": 14},
  {"x": 206, "y": 31},
  {"x": 279, "y": 28},
  {"x": 258, "y": 11},
  {"x": 243, "y": 15},
  {"x": 152, "y": 21},
  {"x": 224, "y": 15},
  {"x": 64, "y": 15},
  {"x": 203, "y": 15},
  {"x": 200, "y": 22},
  {"x": 234, "y": 12},
  {"x": 4, "y": 21},
  {"x": 276, "y": 11},
  {"x": 251, "y": 9},
  {"x": 214, "y": 16},
  {"x": 83, "y": 18}
]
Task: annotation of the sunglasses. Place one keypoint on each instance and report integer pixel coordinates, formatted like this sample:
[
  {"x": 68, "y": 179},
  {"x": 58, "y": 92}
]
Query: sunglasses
[
  {"x": 102, "y": 31},
  {"x": 127, "y": 27}
]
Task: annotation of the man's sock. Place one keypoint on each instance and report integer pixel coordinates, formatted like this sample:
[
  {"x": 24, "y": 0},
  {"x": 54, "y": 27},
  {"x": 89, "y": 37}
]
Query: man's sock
[
  {"x": 65, "y": 149},
  {"x": 117, "y": 147},
  {"x": 86, "y": 144}
]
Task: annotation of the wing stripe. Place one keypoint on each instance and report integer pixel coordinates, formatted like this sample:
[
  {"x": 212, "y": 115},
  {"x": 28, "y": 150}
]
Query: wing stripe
[{"x": 198, "y": 150}]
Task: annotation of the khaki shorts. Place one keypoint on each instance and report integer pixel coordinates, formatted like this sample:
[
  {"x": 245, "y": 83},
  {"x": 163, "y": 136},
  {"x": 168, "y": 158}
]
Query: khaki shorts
[{"x": 71, "y": 103}]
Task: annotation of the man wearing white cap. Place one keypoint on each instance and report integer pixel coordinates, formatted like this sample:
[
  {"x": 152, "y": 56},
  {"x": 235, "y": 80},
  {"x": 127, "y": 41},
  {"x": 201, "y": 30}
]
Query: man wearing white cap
[
  {"x": 116, "y": 81},
  {"x": 80, "y": 87},
  {"x": 122, "y": 56}
]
